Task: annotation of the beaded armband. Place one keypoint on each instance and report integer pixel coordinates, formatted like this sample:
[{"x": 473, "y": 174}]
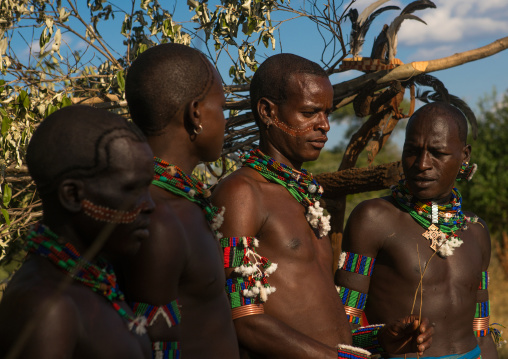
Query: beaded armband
[
  {"x": 482, "y": 313},
  {"x": 484, "y": 284},
  {"x": 166, "y": 350},
  {"x": 354, "y": 303},
  {"x": 351, "y": 352},
  {"x": 367, "y": 338},
  {"x": 250, "y": 288},
  {"x": 481, "y": 319},
  {"x": 356, "y": 263}
]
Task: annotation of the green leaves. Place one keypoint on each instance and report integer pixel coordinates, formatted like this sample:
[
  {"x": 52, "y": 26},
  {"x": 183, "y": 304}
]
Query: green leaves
[
  {"x": 120, "y": 80},
  {"x": 6, "y": 194}
]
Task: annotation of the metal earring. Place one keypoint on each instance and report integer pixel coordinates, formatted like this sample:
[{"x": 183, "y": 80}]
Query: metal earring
[{"x": 200, "y": 129}]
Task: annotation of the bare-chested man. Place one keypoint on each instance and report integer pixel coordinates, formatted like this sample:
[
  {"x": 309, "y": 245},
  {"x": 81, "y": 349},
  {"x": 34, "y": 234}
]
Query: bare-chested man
[
  {"x": 175, "y": 96},
  {"x": 273, "y": 217},
  {"x": 422, "y": 230},
  {"x": 92, "y": 170}
]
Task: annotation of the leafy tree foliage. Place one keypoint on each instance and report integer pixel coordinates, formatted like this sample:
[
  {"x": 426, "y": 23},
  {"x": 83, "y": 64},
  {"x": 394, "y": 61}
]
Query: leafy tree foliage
[
  {"x": 43, "y": 69},
  {"x": 487, "y": 193}
]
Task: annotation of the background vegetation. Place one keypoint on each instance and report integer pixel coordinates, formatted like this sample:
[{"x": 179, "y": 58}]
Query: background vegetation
[{"x": 55, "y": 53}]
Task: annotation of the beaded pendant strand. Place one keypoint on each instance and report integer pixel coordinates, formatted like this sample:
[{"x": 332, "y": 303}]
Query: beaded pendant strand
[
  {"x": 99, "y": 277},
  {"x": 173, "y": 179},
  {"x": 442, "y": 222},
  {"x": 300, "y": 184}
]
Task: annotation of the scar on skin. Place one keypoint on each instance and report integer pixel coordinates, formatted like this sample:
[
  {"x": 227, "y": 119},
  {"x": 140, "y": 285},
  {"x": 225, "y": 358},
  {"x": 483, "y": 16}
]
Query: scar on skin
[
  {"x": 391, "y": 235},
  {"x": 290, "y": 130},
  {"x": 294, "y": 243}
]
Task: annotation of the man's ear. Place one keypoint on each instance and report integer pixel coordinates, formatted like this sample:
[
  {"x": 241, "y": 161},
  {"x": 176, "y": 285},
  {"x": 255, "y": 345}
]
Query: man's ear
[
  {"x": 267, "y": 111},
  {"x": 70, "y": 194},
  {"x": 467, "y": 153},
  {"x": 193, "y": 120}
]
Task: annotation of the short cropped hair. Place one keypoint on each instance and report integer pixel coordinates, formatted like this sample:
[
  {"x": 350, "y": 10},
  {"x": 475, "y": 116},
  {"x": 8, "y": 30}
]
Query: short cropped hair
[
  {"x": 74, "y": 142},
  {"x": 271, "y": 78},
  {"x": 445, "y": 110},
  {"x": 162, "y": 80}
]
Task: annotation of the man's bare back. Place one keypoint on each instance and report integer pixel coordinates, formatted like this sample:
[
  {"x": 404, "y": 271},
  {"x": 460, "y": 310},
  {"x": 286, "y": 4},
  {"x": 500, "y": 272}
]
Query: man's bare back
[{"x": 85, "y": 322}]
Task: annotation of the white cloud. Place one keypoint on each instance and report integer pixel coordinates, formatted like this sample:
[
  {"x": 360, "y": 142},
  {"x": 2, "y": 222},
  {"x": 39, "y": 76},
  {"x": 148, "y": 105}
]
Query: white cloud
[{"x": 455, "y": 21}]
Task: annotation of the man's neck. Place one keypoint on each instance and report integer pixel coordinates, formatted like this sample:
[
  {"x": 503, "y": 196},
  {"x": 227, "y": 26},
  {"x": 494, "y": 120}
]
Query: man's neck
[
  {"x": 173, "y": 153},
  {"x": 271, "y": 151}
]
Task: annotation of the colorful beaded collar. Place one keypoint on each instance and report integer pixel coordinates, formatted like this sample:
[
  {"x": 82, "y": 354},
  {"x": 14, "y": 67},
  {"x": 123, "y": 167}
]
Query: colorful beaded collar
[
  {"x": 442, "y": 222},
  {"x": 301, "y": 184},
  {"x": 173, "y": 179},
  {"x": 98, "y": 276}
]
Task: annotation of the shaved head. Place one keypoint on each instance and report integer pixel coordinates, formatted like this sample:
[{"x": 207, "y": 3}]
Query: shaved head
[
  {"x": 74, "y": 142},
  {"x": 434, "y": 110},
  {"x": 272, "y": 77},
  {"x": 164, "y": 79}
]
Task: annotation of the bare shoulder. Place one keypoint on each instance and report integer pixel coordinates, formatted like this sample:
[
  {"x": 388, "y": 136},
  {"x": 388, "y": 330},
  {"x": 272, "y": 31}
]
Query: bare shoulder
[
  {"x": 241, "y": 193},
  {"x": 376, "y": 209},
  {"x": 242, "y": 186},
  {"x": 479, "y": 231},
  {"x": 32, "y": 305},
  {"x": 368, "y": 225}
]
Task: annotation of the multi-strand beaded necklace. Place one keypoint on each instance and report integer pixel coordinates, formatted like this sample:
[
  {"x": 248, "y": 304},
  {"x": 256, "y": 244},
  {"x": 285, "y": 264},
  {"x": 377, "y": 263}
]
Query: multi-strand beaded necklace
[
  {"x": 173, "y": 179},
  {"x": 442, "y": 222},
  {"x": 300, "y": 184},
  {"x": 98, "y": 276}
]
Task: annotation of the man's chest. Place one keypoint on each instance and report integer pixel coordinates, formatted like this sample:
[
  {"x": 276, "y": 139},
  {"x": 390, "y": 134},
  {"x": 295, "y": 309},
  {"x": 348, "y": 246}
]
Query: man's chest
[{"x": 413, "y": 254}]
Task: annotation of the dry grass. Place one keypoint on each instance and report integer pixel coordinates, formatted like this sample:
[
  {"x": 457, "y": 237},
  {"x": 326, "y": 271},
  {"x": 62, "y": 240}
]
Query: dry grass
[{"x": 498, "y": 292}]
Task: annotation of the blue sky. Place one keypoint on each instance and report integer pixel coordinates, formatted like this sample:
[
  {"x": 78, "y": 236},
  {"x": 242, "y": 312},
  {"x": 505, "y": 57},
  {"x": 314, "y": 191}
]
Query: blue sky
[{"x": 454, "y": 26}]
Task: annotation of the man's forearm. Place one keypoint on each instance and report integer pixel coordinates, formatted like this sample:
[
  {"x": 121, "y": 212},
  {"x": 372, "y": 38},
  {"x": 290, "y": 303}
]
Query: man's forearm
[{"x": 271, "y": 338}]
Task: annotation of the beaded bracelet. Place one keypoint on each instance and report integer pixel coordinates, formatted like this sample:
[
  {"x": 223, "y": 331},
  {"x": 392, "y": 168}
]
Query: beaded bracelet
[
  {"x": 367, "y": 338},
  {"x": 350, "y": 352}
]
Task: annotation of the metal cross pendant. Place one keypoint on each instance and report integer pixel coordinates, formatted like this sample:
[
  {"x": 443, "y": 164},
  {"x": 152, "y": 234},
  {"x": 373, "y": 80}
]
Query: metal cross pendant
[{"x": 433, "y": 234}]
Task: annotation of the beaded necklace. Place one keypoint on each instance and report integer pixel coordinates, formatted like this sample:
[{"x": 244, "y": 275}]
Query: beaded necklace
[
  {"x": 99, "y": 277},
  {"x": 300, "y": 184},
  {"x": 173, "y": 179},
  {"x": 442, "y": 222}
]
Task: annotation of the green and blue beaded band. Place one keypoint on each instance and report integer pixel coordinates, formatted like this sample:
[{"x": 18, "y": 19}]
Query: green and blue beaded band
[
  {"x": 367, "y": 338},
  {"x": 356, "y": 263},
  {"x": 354, "y": 303},
  {"x": 484, "y": 284},
  {"x": 166, "y": 350}
]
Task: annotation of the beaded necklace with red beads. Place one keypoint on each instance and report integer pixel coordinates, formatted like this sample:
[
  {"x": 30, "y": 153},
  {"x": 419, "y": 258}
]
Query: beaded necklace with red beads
[
  {"x": 441, "y": 221},
  {"x": 99, "y": 277},
  {"x": 300, "y": 184},
  {"x": 173, "y": 179}
]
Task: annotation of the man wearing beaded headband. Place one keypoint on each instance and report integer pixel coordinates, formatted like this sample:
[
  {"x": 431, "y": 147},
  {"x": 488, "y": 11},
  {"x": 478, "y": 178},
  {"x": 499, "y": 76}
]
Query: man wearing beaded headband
[
  {"x": 277, "y": 232},
  {"x": 175, "y": 96},
  {"x": 417, "y": 251},
  {"x": 92, "y": 170}
]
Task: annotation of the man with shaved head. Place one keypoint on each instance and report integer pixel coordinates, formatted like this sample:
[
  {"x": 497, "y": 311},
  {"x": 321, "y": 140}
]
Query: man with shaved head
[
  {"x": 421, "y": 252},
  {"x": 92, "y": 170},
  {"x": 276, "y": 248},
  {"x": 177, "y": 280}
]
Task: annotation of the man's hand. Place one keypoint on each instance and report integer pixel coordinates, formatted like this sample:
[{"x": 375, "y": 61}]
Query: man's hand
[{"x": 406, "y": 335}]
